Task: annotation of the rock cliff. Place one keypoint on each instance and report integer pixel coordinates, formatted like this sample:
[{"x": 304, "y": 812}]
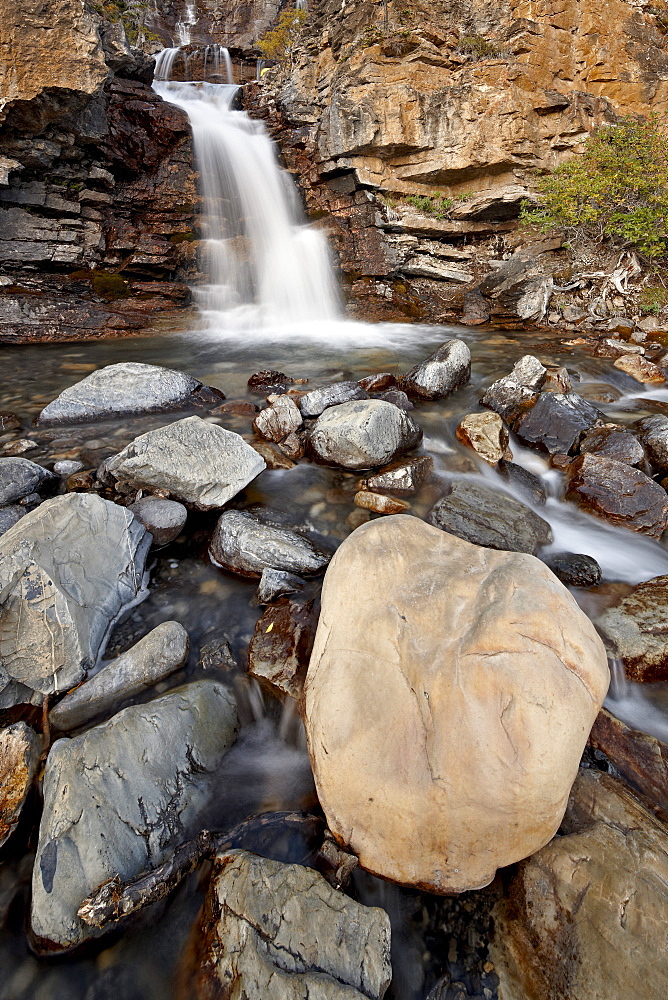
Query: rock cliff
[{"x": 97, "y": 187}]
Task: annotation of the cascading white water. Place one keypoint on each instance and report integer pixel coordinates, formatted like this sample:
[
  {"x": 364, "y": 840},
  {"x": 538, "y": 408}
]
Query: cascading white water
[
  {"x": 266, "y": 267},
  {"x": 184, "y": 26}
]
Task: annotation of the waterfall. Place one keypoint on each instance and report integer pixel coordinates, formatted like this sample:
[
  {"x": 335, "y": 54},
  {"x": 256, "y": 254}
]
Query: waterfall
[
  {"x": 266, "y": 267},
  {"x": 183, "y": 27}
]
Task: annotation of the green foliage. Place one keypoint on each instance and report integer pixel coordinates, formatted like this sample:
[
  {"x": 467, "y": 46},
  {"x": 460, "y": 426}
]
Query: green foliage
[
  {"x": 279, "y": 43},
  {"x": 130, "y": 13},
  {"x": 478, "y": 46},
  {"x": 109, "y": 286},
  {"x": 435, "y": 204},
  {"x": 652, "y": 299},
  {"x": 370, "y": 36},
  {"x": 617, "y": 189}
]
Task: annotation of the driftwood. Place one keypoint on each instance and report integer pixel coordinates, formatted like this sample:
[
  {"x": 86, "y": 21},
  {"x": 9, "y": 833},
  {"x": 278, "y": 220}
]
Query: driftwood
[{"x": 113, "y": 899}]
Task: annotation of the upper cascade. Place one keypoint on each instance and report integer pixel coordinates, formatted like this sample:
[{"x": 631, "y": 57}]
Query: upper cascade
[{"x": 266, "y": 266}]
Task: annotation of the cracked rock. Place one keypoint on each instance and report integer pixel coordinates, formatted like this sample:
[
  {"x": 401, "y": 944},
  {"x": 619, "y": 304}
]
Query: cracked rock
[
  {"x": 243, "y": 543},
  {"x": 68, "y": 570},
  {"x": 197, "y": 462},
  {"x": 431, "y": 651},
  {"x": 119, "y": 798},
  {"x": 575, "y": 912},
  {"x": 443, "y": 372},
  {"x": 279, "y": 932},
  {"x": 313, "y": 403},
  {"x": 19, "y": 477},
  {"x": 364, "y": 434},
  {"x": 129, "y": 387}
]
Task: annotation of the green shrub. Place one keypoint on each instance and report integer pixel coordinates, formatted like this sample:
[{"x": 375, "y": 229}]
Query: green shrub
[
  {"x": 279, "y": 43},
  {"x": 109, "y": 286},
  {"x": 652, "y": 299},
  {"x": 616, "y": 189},
  {"x": 435, "y": 204},
  {"x": 478, "y": 46}
]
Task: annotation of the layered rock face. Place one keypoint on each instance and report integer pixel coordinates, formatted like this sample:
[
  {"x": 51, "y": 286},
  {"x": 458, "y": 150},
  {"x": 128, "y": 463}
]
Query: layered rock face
[
  {"x": 97, "y": 188},
  {"x": 448, "y": 698},
  {"x": 466, "y": 103}
]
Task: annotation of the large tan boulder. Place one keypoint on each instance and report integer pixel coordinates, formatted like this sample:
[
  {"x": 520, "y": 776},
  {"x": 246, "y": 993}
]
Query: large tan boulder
[
  {"x": 449, "y": 696},
  {"x": 585, "y": 919}
]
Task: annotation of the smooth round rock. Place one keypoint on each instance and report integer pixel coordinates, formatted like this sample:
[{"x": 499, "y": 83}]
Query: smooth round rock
[
  {"x": 163, "y": 518},
  {"x": 575, "y": 569},
  {"x": 67, "y": 467},
  {"x": 19, "y": 477},
  {"x": 449, "y": 696},
  {"x": 363, "y": 434}
]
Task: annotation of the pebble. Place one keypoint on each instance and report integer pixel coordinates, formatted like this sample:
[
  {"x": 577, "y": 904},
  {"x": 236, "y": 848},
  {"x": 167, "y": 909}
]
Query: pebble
[{"x": 67, "y": 468}]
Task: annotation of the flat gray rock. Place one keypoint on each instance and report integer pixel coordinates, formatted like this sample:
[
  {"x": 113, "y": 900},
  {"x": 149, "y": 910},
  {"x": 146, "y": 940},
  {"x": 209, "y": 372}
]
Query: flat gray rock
[
  {"x": 19, "y": 477},
  {"x": 316, "y": 402},
  {"x": 153, "y": 658},
  {"x": 487, "y": 517},
  {"x": 364, "y": 434},
  {"x": 275, "y": 583},
  {"x": 10, "y": 515},
  {"x": 67, "y": 571},
  {"x": 119, "y": 798},
  {"x": 129, "y": 387},
  {"x": 165, "y": 519},
  {"x": 244, "y": 544},
  {"x": 283, "y": 933},
  {"x": 443, "y": 372},
  {"x": 196, "y": 461}
]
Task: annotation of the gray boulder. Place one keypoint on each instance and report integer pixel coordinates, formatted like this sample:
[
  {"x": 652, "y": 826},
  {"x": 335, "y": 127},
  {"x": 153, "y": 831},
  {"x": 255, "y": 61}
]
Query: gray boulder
[
  {"x": 364, "y": 434},
  {"x": 316, "y": 402},
  {"x": 556, "y": 421},
  {"x": 119, "y": 798},
  {"x": 515, "y": 392},
  {"x": 19, "y": 477},
  {"x": 486, "y": 517},
  {"x": 283, "y": 933},
  {"x": 130, "y": 387},
  {"x": 10, "y": 515},
  {"x": 275, "y": 583},
  {"x": 153, "y": 658},
  {"x": 443, "y": 372},
  {"x": 244, "y": 544},
  {"x": 198, "y": 462},
  {"x": 165, "y": 519},
  {"x": 68, "y": 570}
]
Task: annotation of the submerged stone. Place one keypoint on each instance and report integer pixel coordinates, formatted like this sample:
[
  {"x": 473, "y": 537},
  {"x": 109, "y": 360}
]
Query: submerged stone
[{"x": 619, "y": 493}]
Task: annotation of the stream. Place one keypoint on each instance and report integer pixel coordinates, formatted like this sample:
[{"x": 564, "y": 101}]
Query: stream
[{"x": 270, "y": 302}]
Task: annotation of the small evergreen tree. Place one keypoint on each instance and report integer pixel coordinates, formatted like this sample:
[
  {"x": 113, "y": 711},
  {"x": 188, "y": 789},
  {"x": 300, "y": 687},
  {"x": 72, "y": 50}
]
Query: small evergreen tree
[
  {"x": 616, "y": 189},
  {"x": 279, "y": 43}
]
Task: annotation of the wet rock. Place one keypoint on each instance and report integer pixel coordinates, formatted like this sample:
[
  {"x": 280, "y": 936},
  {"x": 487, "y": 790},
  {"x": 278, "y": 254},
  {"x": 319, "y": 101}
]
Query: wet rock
[
  {"x": 613, "y": 442},
  {"x": 574, "y": 912},
  {"x": 557, "y": 380},
  {"x": 574, "y": 569},
  {"x": 419, "y": 663},
  {"x": 242, "y": 543},
  {"x": 276, "y": 583},
  {"x": 443, "y": 372},
  {"x": 525, "y": 482},
  {"x": 482, "y": 515},
  {"x": 20, "y": 447},
  {"x": 279, "y": 650},
  {"x": 363, "y": 434},
  {"x": 217, "y": 655},
  {"x": 312, "y": 404},
  {"x": 279, "y": 419},
  {"x": 9, "y": 516},
  {"x": 486, "y": 434},
  {"x": 165, "y": 519},
  {"x": 404, "y": 476},
  {"x": 476, "y": 310},
  {"x": 640, "y": 369},
  {"x": 9, "y": 421},
  {"x": 153, "y": 658},
  {"x": 378, "y": 383},
  {"x": 618, "y": 493},
  {"x": 272, "y": 457},
  {"x": 268, "y": 381},
  {"x": 20, "y": 477},
  {"x": 379, "y": 503},
  {"x": 556, "y": 421},
  {"x": 638, "y": 630},
  {"x": 519, "y": 287},
  {"x": 293, "y": 446},
  {"x": 653, "y": 433},
  {"x": 639, "y": 758},
  {"x": 239, "y": 408},
  {"x": 67, "y": 467},
  {"x": 119, "y": 798},
  {"x": 129, "y": 387},
  {"x": 397, "y": 398},
  {"x": 513, "y": 393},
  {"x": 19, "y": 757},
  {"x": 280, "y": 932},
  {"x": 67, "y": 571},
  {"x": 197, "y": 462}
]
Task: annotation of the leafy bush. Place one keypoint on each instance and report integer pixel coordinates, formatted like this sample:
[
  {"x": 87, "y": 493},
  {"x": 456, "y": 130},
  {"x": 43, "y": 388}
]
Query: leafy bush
[
  {"x": 279, "y": 43},
  {"x": 652, "y": 299},
  {"x": 478, "y": 46},
  {"x": 617, "y": 189},
  {"x": 434, "y": 204}
]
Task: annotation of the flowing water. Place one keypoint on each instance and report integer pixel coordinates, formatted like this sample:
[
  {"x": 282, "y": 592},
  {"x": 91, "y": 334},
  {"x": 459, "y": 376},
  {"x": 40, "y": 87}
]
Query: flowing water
[{"x": 270, "y": 302}]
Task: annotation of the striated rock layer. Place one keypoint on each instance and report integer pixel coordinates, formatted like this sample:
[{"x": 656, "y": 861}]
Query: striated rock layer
[{"x": 449, "y": 696}]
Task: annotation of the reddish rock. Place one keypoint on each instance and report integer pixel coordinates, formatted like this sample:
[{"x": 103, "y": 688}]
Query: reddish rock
[
  {"x": 640, "y": 368},
  {"x": 281, "y": 645},
  {"x": 641, "y": 759},
  {"x": 378, "y": 383},
  {"x": 380, "y": 503},
  {"x": 619, "y": 493}
]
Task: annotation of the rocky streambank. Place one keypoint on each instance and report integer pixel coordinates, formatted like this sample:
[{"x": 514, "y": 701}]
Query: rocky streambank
[{"x": 447, "y": 657}]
